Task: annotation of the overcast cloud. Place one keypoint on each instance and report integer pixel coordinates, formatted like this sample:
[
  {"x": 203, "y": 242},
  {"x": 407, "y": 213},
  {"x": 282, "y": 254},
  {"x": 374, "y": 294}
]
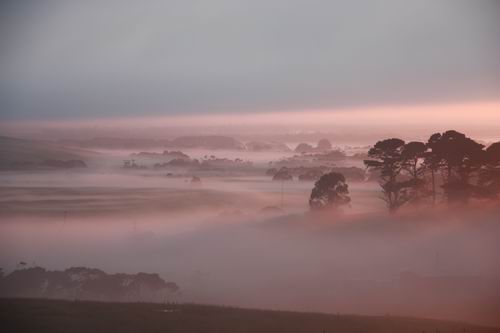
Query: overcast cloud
[{"x": 87, "y": 59}]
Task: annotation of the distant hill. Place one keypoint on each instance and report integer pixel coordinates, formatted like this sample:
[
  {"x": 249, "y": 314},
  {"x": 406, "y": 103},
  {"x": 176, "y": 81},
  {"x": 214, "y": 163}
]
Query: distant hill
[
  {"x": 214, "y": 142},
  {"x": 15, "y": 152},
  {"x": 207, "y": 141},
  {"x": 37, "y": 315},
  {"x": 115, "y": 143},
  {"x": 258, "y": 146}
]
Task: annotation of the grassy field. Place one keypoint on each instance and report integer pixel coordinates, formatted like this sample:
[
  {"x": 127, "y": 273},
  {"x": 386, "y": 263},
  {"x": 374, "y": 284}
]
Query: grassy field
[{"x": 35, "y": 315}]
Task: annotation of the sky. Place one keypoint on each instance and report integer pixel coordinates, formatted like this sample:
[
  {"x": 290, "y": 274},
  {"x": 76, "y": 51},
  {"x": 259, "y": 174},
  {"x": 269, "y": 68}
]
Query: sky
[{"x": 86, "y": 60}]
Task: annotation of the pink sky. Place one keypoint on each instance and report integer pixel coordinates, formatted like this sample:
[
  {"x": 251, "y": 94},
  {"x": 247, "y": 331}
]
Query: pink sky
[{"x": 480, "y": 120}]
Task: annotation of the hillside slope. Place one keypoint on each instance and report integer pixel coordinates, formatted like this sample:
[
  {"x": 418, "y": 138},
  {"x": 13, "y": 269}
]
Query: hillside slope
[
  {"x": 13, "y": 150},
  {"x": 23, "y": 315}
]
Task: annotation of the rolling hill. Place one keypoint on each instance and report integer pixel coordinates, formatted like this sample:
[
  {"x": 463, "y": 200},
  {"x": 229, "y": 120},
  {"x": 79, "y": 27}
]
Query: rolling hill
[
  {"x": 37, "y": 315},
  {"x": 15, "y": 151}
]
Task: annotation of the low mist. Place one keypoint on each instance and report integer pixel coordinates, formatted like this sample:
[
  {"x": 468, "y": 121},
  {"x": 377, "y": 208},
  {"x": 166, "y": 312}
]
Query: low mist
[{"x": 220, "y": 247}]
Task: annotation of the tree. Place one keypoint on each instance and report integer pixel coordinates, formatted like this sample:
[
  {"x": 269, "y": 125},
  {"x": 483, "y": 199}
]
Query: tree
[
  {"x": 489, "y": 178},
  {"x": 324, "y": 145},
  {"x": 412, "y": 154},
  {"x": 460, "y": 158},
  {"x": 283, "y": 174},
  {"x": 387, "y": 159},
  {"x": 412, "y": 157},
  {"x": 329, "y": 192},
  {"x": 271, "y": 172},
  {"x": 304, "y": 148},
  {"x": 432, "y": 162}
]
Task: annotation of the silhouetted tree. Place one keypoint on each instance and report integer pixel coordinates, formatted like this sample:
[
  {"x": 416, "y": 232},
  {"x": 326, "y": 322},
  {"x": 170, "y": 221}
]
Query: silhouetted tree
[
  {"x": 86, "y": 283},
  {"x": 412, "y": 154},
  {"x": 387, "y": 159},
  {"x": 489, "y": 178},
  {"x": 330, "y": 191},
  {"x": 271, "y": 172},
  {"x": 432, "y": 162},
  {"x": 459, "y": 157},
  {"x": 304, "y": 148},
  {"x": 412, "y": 157},
  {"x": 283, "y": 174},
  {"x": 324, "y": 145}
]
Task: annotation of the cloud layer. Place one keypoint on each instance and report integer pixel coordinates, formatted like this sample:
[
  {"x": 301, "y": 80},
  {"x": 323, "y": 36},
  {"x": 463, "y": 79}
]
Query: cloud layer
[{"x": 78, "y": 60}]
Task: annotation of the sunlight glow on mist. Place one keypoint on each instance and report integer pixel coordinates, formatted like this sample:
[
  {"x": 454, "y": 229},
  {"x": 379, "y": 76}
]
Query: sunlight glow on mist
[{"x": 467, "y": 117}]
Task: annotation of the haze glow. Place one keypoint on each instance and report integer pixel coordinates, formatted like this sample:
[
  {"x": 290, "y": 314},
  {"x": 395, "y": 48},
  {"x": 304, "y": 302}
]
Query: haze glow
[{"x": 480, "y": 119}]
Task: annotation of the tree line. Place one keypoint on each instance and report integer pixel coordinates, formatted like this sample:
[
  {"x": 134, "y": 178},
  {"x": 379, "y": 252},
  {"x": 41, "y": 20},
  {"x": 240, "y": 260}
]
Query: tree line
[{"x": 449, "y": 167}]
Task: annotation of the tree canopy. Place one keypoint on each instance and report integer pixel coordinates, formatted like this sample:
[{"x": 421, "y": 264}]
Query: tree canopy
[
  {"x": 329, "y": 192},
  {"x": 467, "y": 169}
]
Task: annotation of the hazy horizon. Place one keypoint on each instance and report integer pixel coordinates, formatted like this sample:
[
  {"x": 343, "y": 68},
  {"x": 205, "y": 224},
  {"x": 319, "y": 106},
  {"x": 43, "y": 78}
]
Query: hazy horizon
[{"x": 359, "y": 126}]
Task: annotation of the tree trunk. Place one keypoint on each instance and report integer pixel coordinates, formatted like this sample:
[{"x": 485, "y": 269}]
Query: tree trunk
[{"x": 433, "y": 187}]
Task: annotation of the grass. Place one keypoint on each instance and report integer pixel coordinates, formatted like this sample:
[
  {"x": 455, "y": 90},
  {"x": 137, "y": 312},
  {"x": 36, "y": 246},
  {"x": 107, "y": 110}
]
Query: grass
[{"x": 38, "y": 315}]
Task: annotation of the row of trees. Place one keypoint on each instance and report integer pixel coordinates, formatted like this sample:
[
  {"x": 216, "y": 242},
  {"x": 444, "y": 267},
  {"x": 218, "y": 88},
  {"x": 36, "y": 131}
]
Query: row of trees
[{"x": 449, "y": 166}]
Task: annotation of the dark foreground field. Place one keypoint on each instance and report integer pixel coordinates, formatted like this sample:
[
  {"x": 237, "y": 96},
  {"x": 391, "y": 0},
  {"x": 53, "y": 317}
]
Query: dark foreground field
[{"x": 28, "y": 315}]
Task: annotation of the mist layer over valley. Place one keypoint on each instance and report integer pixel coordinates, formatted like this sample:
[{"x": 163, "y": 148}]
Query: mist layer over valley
[{"x": 228, "y": 231}]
